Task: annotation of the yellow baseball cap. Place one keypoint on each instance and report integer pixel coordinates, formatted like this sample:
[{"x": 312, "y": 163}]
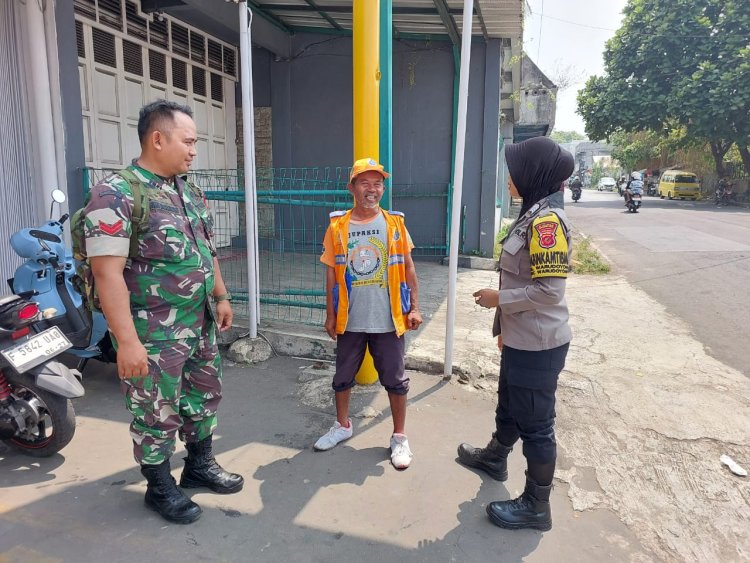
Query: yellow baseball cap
[{"x": 364, "y": 165}]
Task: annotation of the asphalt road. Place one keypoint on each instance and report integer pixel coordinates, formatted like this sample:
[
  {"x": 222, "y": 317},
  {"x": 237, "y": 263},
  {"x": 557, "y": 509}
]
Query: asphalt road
[{"x": 692, "y": 257}]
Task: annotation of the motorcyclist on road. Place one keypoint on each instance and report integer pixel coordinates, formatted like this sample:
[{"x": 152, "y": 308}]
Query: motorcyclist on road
[
  {"x": 628, "y": 193},
  {"x": 723, "y": 192},
  {"x": 575, "y": 187}
]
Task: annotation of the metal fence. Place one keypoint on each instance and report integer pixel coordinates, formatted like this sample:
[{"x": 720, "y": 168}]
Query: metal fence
[{"x": 293, "y": 207}]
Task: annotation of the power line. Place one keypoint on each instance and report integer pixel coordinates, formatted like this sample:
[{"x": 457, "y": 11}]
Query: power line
[
  {"x": 542, "y": 15},
  {"x": 541, "y": 20},
  {"x": 707, "y": 35}
]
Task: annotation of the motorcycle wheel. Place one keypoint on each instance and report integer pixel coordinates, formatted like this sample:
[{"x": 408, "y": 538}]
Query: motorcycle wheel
[{"x": 57, "y": 421}]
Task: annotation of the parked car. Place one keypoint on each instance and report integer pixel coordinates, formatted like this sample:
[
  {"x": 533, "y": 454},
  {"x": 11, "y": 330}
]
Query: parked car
[
  {"x": 607, "y": 184},
  {"x": 679, "y": 183}
]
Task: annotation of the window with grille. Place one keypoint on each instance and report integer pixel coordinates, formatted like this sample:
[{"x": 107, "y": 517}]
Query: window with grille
[
  {"x": 137, "y": 26},
  {"x": 85, "y": 8},
  {"x": 132, "y": 57},
  {"x": 180, "y": 41},
  {"x": 104, "y": 48},
  {"x": 197, "y": 47},
  {"x": 163, "y": 32},
  {"x": 157, "y": 66},
  {"x": 158, "y": 32},
  {"x": 110, "y": 13},
  {"x": 229, "y": 61},
  {"x": 214, "y": 56},
  {"x": 199, "y": 81},
  {"x": 79, "y": 40},
  {"x": 179, "y": 74},
  {"x": 217, "y": 87}
]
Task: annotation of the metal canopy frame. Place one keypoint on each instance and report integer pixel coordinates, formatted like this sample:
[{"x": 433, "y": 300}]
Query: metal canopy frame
[
  {"x": 448, "y": 21},
  {"x": 418, "y": 19}
]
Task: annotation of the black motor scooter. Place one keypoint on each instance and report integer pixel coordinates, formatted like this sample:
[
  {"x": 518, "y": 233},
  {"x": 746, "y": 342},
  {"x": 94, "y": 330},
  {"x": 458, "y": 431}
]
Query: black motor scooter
[{"x": 36, "y": 415}]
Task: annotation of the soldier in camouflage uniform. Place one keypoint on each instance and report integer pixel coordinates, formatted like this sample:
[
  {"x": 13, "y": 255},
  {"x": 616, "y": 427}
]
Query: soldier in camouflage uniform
[{"x": 158, "y": 311}]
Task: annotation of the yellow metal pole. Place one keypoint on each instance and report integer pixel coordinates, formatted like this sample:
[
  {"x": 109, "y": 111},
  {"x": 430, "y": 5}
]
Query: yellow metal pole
[
  {"x": 366, "y": 47},
  {"x": 366, "y": 103}
]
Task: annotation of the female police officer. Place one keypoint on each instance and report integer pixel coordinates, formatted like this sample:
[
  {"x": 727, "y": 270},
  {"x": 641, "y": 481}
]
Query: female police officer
[{"x": 531, "y": 323}]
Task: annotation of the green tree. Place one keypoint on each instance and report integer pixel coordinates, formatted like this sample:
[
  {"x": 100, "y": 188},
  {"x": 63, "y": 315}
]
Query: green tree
[
  {"x": 634, "y": 150},
  {"x": 676, "y": 65},
  {"x": 566, "y": 136}
]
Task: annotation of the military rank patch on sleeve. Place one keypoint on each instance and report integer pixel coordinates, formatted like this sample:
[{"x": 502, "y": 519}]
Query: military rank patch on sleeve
[{"x": 548, "y": 249}]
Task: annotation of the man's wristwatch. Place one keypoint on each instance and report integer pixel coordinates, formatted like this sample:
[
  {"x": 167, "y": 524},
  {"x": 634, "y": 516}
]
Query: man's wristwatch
[{"x": 223, "y": 297}]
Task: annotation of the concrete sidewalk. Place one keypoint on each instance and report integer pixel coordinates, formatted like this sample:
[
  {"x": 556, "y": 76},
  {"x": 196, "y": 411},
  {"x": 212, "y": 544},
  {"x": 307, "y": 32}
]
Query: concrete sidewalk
[
  {"x": 644, "y": 413},
  {"x": 348, "y": 504},
  {"x": 643, "y": 416}
]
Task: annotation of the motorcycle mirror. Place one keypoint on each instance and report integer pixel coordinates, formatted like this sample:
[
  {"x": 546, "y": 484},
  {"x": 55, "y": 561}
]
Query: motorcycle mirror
[{"x": 58, "y": 196}]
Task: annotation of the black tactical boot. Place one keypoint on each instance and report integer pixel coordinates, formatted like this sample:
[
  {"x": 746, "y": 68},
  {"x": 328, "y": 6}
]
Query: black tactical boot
[
  {"x": 493, "y": 459},
  {"x": 530, "y": 510},
  {"x": 202, "y": 470},
  {"x": 163, "y": 496}
]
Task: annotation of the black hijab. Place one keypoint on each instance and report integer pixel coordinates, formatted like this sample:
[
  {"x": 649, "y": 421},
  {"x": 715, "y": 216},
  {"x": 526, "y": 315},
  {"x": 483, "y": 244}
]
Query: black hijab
[{"x": 538, "y": 167}]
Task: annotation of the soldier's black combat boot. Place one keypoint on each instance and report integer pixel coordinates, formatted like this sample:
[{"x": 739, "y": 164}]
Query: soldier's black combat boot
[
  {"x": 163, "y": 496},
  {"x": 202, "y": 470},
  {"x": 493, "y": 459},
  {"x": 530, "y": 510}
]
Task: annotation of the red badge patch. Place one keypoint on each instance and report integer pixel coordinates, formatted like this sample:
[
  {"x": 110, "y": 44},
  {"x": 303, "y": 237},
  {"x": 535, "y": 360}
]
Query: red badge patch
[
  {"x": 547, "y": 234},
  {"x": 110, "y": 229}
]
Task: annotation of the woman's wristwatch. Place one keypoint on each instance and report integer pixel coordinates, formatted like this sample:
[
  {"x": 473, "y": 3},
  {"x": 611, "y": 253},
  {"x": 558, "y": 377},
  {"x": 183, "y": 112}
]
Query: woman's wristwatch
[{"x": 223, "y": 297}]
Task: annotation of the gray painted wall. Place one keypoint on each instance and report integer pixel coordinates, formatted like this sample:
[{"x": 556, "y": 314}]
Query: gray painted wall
[
  {"x": 312, "y": 106},
  {"x": 312, "y": 124},
  {"x": 490, "y": 147},
  {"x": 472, "y": 196},
  {"x": 261, "y": 79},
  {"x": 75, "y": 157}
]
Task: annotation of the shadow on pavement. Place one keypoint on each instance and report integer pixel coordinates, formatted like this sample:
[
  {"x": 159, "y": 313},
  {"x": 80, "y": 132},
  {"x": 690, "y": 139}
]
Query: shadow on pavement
[{"x": 297, "y": 505}]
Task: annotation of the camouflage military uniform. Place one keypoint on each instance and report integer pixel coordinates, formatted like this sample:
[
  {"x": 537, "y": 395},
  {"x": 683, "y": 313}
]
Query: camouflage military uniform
[{"x": 170, "y": 282}]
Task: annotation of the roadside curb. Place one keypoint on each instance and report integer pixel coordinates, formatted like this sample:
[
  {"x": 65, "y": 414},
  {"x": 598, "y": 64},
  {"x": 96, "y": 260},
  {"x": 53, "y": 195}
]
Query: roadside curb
[
  {"x": 595, "y": 246},
  {"x": 300, "y": 341}
]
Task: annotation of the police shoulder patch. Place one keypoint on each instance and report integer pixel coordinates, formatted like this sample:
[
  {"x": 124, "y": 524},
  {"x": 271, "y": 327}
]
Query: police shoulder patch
[{"x": 548, "y": 249}]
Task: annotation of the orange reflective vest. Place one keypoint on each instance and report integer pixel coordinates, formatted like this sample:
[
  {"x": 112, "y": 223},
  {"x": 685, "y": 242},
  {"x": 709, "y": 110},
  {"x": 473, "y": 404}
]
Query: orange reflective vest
[{"x": 398, "y": 243}]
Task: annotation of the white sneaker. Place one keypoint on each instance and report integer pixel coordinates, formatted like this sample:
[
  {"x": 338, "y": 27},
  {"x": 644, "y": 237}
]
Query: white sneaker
[
  {"x": 336, "y": 434},
  {"x": 400, "y": 453}
]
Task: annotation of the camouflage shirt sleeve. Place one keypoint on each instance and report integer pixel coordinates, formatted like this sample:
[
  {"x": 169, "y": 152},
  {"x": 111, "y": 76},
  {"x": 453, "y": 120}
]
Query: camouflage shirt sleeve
[{"x": 108, "y": 218}]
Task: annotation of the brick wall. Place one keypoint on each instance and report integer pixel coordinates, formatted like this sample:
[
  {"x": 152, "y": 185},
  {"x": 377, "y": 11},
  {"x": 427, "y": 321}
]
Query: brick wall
[{"x": 263, "y": 159}]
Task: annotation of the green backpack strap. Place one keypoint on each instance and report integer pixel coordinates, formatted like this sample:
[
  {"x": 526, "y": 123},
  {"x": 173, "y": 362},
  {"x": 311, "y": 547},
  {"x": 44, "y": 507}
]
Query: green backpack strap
[{"x": 140, "y": 213}]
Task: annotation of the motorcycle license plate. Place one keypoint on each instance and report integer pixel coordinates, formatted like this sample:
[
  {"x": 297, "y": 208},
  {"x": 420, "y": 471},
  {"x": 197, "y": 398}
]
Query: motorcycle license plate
[{"x": 37, "y": 349}]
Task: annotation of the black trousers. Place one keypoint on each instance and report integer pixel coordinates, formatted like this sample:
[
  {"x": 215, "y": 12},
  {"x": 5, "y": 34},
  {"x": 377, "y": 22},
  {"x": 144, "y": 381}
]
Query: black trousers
[{"x": 526, "y": 400}]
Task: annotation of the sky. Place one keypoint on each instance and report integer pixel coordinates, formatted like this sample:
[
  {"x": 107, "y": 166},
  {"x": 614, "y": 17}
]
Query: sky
[{"x": 570, "y": 33}]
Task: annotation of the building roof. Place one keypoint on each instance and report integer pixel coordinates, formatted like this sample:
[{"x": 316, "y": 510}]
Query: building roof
[{"x": 433, "y": 18}]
